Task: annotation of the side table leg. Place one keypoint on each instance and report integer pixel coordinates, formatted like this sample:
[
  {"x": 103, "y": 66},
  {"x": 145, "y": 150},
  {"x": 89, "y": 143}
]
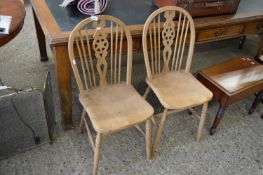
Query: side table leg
[
  {"x": 260, "y": 50},
  {"x": 242, "y": 42},
  {"x": 63, "y": 70},
  {"x": 256, "y": 102},
  {"x": 217, "y": 120},
  {"x": 41, "y": 39}
]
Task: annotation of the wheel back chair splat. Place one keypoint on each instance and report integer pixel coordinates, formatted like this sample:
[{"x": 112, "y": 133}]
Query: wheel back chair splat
[
  {"x": 166, "y": 34},
  {"x": 109, "y": 99}
]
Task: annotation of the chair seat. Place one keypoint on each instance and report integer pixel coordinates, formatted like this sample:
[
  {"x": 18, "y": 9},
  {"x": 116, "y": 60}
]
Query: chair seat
[
  {"x": 115, "y": 107},
  {"x": 179, "y": 90}
]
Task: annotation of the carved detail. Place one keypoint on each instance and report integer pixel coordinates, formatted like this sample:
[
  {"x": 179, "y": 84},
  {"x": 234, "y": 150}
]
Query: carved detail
[
  {"x": 168, "y": 35},
  {"x": 100, "y": 47}
]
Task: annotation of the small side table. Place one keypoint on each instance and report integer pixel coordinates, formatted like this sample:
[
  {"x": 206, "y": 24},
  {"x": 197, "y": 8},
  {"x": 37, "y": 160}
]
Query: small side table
[
  {"x": 14, "y": 8},
  {"x": 231, "y": 81}
]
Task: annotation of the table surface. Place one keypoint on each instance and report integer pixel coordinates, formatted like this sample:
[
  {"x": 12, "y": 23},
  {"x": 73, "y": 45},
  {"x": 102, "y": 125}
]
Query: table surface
[
  {"x": 15, "y": 9},
  {"x": 126, "y": 10},
  {"x": 57, "y": 22}
]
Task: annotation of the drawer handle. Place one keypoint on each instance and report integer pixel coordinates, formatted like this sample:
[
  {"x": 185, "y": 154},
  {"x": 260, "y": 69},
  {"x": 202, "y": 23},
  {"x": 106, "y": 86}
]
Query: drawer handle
[
  {"x": 260, "y": 26},
  {"x": 220, "y": 33},
  {"x": 213, "y": 4}
]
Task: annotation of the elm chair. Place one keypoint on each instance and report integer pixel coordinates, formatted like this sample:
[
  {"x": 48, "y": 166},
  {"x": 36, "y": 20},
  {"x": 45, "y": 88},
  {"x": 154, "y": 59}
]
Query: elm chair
[
  {"x": 109, "y": 99},
  {"x": 166, "y": 35}
]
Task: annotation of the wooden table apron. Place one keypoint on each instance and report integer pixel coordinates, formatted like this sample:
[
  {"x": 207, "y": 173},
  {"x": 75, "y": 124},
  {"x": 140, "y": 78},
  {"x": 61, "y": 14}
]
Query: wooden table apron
[{"x": 208, "y": 29}]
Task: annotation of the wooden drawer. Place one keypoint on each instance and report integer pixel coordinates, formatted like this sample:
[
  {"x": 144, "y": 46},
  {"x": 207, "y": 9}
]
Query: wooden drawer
[
  {"x": 217, "y": 33},
  {"x": 253, "y": 27}
]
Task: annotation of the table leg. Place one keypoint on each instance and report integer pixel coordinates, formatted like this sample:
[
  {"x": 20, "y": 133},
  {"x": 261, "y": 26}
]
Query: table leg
[
  {"x": 63, "y": 70},
  {"x": 257, "y": 101},
  {"x": 41, "y": 39},
  {"x": 242, "y": 42},
  {"x": 217, "y": 120},
  {"x": 260, "y": 50}
]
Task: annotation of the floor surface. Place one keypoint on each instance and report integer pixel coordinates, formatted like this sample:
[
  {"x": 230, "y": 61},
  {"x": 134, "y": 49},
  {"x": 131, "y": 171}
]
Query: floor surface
[{"x": 236, "y": 148}]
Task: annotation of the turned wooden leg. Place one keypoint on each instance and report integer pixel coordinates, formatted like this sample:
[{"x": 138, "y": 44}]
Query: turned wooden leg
[
  {"x": 260, "y": 50},
  {"x": 242, "y": 42},
  {"x": 159, "y": 131},
  {"x": 81, "y": 125},
  {"x": 97, "y": 153},
  {"x": 217, "y": 120},
  {"x": 41, "y": 39},
  {"x": 202, "y": 121},
  {"x": 145, "y": 95},
  {"x": 63, "y": 70},
  {"x": 148, "y": 139},
  {"x": 256, "y": 102}
]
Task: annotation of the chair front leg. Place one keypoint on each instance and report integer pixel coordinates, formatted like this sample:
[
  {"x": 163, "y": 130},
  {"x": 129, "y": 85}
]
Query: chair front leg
[
  {"x": 159, "y": 131},
  {"x": 148, "y": 138},
  {"x": 145, "y": 95},
  {"x": 97, "y": 153},
  {"x": 81, "y": 125},
  {"x": 202, "y": 121}
]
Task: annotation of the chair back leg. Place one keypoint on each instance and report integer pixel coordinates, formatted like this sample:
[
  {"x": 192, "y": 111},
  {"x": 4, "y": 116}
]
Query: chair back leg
[
  {"x": 148, "y": 138},
  {"x": 81, "y": 125}
]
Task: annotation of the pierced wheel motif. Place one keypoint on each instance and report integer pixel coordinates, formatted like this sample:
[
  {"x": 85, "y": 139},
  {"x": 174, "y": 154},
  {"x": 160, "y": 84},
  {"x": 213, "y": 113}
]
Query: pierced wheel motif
[{"x": 168, "y": 35}]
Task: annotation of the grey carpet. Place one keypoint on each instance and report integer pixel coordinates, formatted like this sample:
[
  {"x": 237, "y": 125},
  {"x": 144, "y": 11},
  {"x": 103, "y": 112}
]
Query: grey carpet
[{"x": 236, "y": 148}]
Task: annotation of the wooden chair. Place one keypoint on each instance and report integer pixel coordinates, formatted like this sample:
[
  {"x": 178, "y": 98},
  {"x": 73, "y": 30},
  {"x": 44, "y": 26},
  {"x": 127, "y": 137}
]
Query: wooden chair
[
  {"x": 22, "y": 1},
  {"x": 164, "y": 46},
  {"x": 108, "y": 98}
]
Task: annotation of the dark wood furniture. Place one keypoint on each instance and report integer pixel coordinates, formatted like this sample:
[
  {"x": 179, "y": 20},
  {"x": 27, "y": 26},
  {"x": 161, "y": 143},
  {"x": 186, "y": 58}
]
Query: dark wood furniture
[
  {"x": 14, "y": 8},
  {"x": 232, "y": 81},
  {"x": 53, "y": 24},
  {"x": 257, "y": 101}
]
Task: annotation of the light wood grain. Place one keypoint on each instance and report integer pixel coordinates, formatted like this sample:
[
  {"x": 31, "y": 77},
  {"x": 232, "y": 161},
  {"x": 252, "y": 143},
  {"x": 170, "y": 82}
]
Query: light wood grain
[
  {"x": 168, "y": 71},
  {"x": 179, "y": 90},
  {"x": 115, "y": 107},
  {"x": 112, "y": 104}
]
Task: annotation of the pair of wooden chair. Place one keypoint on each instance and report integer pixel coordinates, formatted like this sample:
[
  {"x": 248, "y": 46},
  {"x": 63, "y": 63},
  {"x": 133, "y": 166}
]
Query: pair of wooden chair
[{"x": 109, "y": 99}]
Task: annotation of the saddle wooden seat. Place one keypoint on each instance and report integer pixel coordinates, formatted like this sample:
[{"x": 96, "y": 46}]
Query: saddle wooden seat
[
  {"x": 115, "y": 107},
  {"x": 179, "y": 90},
  {"x": 232, "y": 81}
]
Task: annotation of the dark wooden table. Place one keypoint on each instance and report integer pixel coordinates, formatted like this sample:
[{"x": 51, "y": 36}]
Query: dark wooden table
[
  {"x": 15, "y": 9},
  {"x": 53, "y": 25}
]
